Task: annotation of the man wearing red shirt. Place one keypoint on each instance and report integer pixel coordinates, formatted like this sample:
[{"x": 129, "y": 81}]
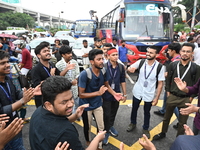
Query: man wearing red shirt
[{"x": 26, "y": 63}]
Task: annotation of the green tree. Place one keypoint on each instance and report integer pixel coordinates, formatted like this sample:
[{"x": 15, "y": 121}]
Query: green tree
[{"x": 16, "y": 20}]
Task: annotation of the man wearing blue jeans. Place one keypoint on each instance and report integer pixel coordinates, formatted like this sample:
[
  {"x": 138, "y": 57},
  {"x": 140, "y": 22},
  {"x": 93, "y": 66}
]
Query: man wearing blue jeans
[{"x": 147, "y": 80}]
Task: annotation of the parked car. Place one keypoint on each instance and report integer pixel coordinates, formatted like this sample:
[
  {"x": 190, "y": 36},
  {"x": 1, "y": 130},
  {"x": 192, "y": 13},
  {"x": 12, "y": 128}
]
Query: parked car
[
  {"x": 77, "y": 49},
  {"x": 34, "y": 43},
  {"x": 62, "y": 33}
]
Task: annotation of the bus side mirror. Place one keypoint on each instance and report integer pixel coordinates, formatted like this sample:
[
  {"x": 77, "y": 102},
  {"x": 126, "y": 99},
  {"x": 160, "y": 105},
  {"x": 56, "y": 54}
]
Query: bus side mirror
[{"x": 121, "y": 15}]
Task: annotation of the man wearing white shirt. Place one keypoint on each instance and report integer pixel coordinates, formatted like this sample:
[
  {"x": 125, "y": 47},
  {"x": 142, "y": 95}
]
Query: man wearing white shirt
[
  {"x": 86, "y": 49},
  {"x": 146, "y": 84}
]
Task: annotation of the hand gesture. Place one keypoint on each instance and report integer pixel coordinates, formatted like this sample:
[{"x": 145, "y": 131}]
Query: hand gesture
[
  {"x": 70, "y": 66},
  {"x": 102, "y": 90},
  {"x": 101, "y": 135},
  {"x": 52, "y": 71},
  {"x": 27, "y": 94},
  {"x": 121, "y": 146},
  {"x": 6, "y": 134},
  {"x": 154, "y": 102},
  {"x": 180, "y": 84},
  {"x": 74, "y": 82},
  {"x": 4, "y": 118},
  {"x": 188, "y": 110},
  {"x": 61, "y": 146},
  {"x": 188, "y": 131},
  {"x": 124, "y": 99},
  {"x": 118, "y": 96},
  {"x": 80, "y": 109},
  {"x": 146, "y": 143},
  {"x": 132, "y": 70},
  {"x": 37, "y": 89}
]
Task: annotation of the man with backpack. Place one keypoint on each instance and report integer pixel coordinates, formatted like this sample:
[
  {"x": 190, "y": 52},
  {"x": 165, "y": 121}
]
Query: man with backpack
[
  {"x": 151, "y": 76},
  {"x": 110, "y": 104},
  {"x": 92, "y": 84},
  {"x": 189, "y": 73}
]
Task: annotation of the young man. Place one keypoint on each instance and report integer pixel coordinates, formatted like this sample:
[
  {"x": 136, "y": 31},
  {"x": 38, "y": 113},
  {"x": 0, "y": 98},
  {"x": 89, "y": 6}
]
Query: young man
[
  {"x": 43, "y": 69},
  {"x": 173, "y": 51},
  {"x": 70, "y": 69},
  {"x": 147, "y": 86},
  {"x": 98, "y": 44},
  {"x": 110, "y": 106},
  {"x": 176, "y": 98},
  {"x": 26, "y": 63},
  {"x": 51, "y": 122},
  {"x": 91, "y": 90},
  {"x": 86, "y": 49},
  {"x": 114, "y": 43},
  {"x": 11, "y": 100},
  {"x": 123, "y": 51}
]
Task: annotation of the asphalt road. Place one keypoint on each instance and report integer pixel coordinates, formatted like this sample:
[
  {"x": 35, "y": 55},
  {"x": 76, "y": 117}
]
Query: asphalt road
[{"x": 122, "y": 121}]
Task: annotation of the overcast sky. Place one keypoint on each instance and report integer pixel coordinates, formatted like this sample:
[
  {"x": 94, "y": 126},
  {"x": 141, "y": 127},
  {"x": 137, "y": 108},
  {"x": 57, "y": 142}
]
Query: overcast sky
[{"x": 73, "y": 9}]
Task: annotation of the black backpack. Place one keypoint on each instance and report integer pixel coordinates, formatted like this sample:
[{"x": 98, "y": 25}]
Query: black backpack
[{"x": 157, "y": 72}]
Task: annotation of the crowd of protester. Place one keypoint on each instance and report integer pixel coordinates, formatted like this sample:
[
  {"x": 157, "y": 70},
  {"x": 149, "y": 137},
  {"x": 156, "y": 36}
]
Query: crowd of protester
[{"x": 63, "y": 94}]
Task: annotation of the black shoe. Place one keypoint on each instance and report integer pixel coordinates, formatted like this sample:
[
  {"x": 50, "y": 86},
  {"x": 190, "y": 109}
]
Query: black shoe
[
  {"x": 159, "y": 136},
  {"x": 158, "y": 113},
  {"x": 175, "y": 126},
  {"x": 130, "y": 127}
]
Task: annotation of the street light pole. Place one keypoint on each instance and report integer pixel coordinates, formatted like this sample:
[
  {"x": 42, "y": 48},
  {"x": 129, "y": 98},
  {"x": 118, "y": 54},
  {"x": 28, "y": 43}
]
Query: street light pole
[
  {"x": 59, "y": 20},
  {"x": 194, "y": 14}
]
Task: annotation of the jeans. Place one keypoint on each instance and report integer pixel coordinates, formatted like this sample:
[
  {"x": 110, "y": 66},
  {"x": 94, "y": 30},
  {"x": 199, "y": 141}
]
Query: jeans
[
  {"x": 163, "y": 109},
  {"x": 76, "y": 104},
  {"x": 16, "y": 144},
  {"x": 147, "y": 108}
]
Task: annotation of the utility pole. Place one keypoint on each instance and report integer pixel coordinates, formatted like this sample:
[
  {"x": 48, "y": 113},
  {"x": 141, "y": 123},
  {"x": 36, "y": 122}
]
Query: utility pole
[{"x": 194, "y": 14}]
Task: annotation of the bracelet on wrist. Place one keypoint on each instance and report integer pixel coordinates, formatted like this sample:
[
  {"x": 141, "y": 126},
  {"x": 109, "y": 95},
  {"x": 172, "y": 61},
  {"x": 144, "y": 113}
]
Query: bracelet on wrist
[{"x": 125, "y": 95}]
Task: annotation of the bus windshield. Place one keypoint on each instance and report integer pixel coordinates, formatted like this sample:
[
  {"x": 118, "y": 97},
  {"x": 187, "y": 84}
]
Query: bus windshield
[
  {"x": 85, "y": 27},
  {"x": 146, "y": 21}
]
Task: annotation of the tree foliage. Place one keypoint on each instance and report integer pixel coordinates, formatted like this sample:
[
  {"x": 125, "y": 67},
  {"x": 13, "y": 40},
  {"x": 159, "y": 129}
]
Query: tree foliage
[
  {"x": 189, "y": 4},
  {"x": 15, "y": 20}
]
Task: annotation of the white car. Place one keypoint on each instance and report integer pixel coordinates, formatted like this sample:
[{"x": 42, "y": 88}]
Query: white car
[
  {"x": 78, "y": 45},
  {"x": 34, "y": 43}
]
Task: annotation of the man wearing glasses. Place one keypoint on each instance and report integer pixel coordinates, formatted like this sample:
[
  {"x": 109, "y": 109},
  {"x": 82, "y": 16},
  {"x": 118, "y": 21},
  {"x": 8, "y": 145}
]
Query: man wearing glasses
[{"x": 177, "y": 98}]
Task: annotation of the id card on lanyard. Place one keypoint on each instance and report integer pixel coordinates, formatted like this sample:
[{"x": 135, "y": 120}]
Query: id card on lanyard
[{"x": 8, "y": 94}]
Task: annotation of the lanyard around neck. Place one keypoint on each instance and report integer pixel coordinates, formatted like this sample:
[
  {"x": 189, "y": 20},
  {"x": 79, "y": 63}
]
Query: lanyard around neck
[
  {"x": 145, "y": 74},
  {"x": 178, "y": 70},
  {"x": 8, "y": 94},
  {"x": 47, "y": 71}
]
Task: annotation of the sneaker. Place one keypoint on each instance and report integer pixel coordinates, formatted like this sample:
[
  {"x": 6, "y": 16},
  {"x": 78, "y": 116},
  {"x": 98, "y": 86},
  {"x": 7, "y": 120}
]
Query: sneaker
[
  {"x": 105, "y": 141},
  {"x": 146, "y": 132},
  {"x": 159, "y": 136},
  {"x": 130, "y": 127},
  {"x": 175, "y": 126},
  {"x": 113, "y": 132},
  {"x": 158, "y": 113}
]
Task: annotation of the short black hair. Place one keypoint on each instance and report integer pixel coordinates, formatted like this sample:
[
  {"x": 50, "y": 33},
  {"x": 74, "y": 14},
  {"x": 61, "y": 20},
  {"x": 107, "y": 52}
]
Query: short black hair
[
  {"x": 65, "y": 42},
  {"x": 65, "y": 49},
  {"x": 175, "y": 46},
  {"x": 40, "y": 47},
  {"x": 190, "y": 39},
  {"x": 107, "y": 45},
  {"x": 93, "y": 53},
  {"x": 122, "y": 41},
  {"x": 98, "y": 40},
  {"x": 95, "y": 39},
  {"x": 114, "y": 39},
  {"x": 45, "y": 43},
  {"x": 103, "y": 38},
  {"x": 53, "y": 86},
  {"x": 190, "y": 45},
  {"x": 154, "y": 47},
  {"x": 85, "y": 41},
  {"x": 4, "y": 54}
]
